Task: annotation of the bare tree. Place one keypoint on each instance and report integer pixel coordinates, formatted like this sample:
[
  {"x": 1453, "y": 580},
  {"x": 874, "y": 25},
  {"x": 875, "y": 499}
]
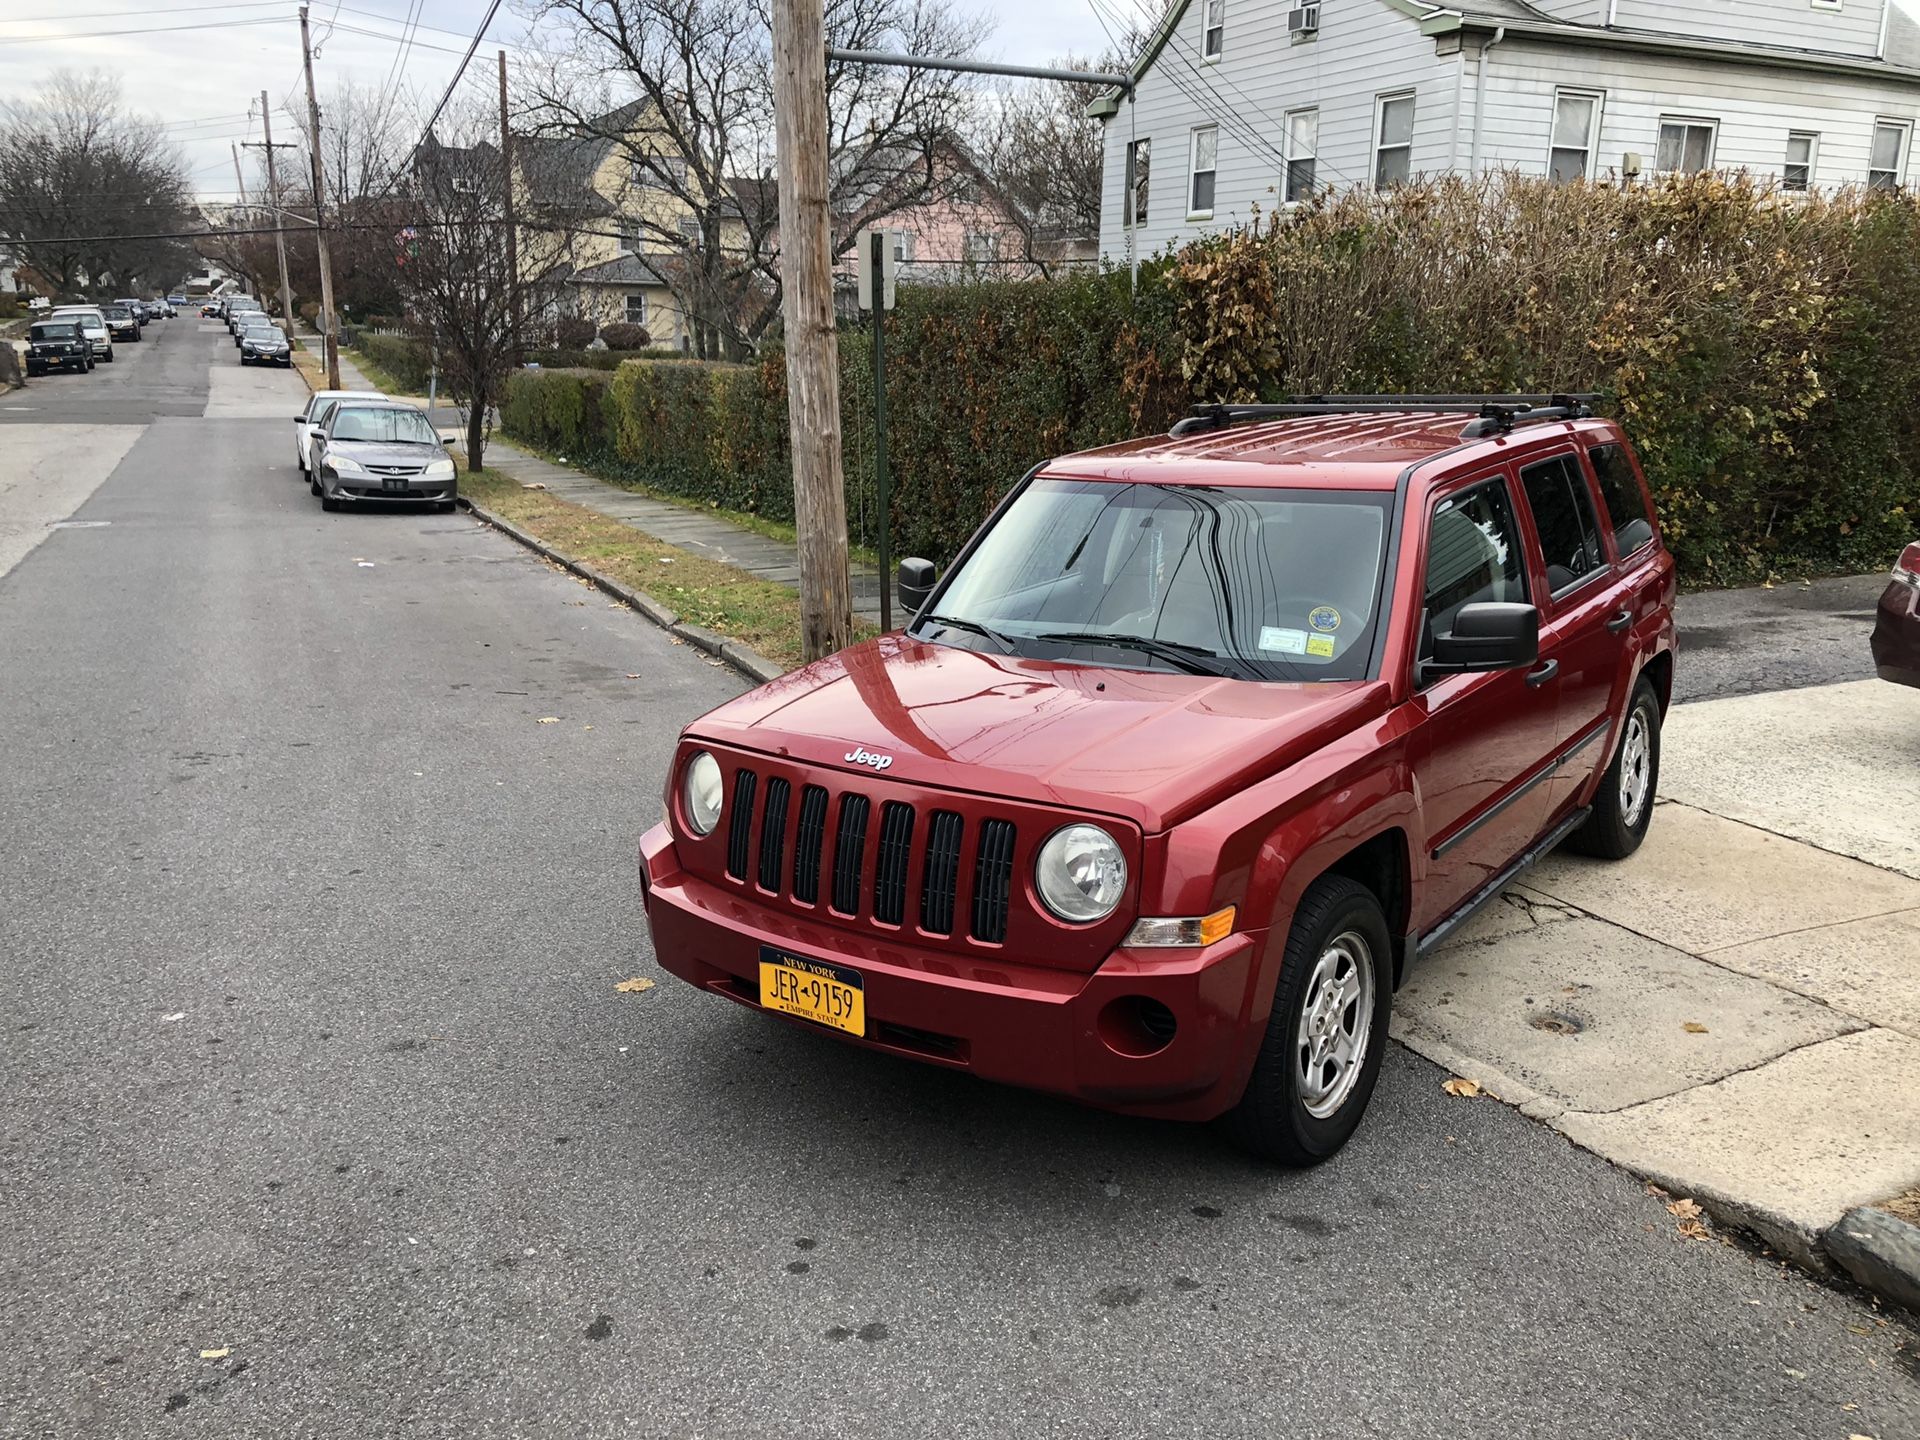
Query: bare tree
[
  {"x": 463, "y": 294},
  {"x": 74, "y": 162},
  {"x": 1036, "y": 142},
  {"x": 678, "y": 92}
]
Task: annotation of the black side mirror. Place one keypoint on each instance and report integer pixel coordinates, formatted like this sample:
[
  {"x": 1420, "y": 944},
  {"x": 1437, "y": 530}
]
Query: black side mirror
[
  {"x": 916, "y": 584},
  {"x": 300, "y": 419},
  {"x": 1491, "y": 635}
]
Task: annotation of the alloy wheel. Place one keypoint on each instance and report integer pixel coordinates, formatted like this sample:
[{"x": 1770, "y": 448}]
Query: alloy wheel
[{"x": 1336, "y": 1022}]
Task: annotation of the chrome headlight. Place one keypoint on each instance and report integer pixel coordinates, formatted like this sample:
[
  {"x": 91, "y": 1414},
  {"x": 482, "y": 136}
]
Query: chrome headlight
[
  {"x": 346, "y": 465},
  {"x": 704, "y": 793},
  {"x": 440, "y": 470},
  {"x": 1080, "y": 873}
]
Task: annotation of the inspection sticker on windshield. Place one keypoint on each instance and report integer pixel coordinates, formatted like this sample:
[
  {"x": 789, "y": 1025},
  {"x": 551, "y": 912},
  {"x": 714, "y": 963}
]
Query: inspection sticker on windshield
[
  {"x": 1276, "y": 641},
  {"x": 1325, "y": 619},
  {"x": 1321, "y": 645}
]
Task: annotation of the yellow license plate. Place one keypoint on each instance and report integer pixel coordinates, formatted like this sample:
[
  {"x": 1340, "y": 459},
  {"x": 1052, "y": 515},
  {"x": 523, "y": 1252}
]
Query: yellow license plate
[{"x": 814, "y": 990}]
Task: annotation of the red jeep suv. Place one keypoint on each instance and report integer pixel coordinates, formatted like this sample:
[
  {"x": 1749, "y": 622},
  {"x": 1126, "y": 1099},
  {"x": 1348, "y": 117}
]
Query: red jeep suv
[{"x": 1201, "y": 741}]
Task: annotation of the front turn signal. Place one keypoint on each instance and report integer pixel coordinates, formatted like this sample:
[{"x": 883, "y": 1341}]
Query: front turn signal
[{"x": 1170, "y": 934}]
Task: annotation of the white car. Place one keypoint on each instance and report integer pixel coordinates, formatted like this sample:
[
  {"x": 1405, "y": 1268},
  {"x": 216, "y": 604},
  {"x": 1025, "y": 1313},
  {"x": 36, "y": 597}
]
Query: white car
[
  {"x": 93, "y": 325},
  {"x": 308, "y": 420}
]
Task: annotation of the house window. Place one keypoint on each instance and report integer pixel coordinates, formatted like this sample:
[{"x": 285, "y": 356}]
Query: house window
[
  {"x": 1393, "y": 140},
  {"x": 629, "y": 235},
  {"x": 1139, "y": 161},
  {"x": 660, "y": 170},
  {"x": 1215, "y": 38},
  {"x": 1686, "y": 146},
  {"x": 1203, "y": 154},
  {"x": 636, "y": 308},
  {"x": 1576, "y": 129},
  {"x": 1889, "y": 160},
  {"x": 690, "y": 229},
  {"x": 980, "y": 247},
  {"x": 1303, "y": 149},
  {"x": 1802, "y": 147},
  {"x": 903, "y": 246}
]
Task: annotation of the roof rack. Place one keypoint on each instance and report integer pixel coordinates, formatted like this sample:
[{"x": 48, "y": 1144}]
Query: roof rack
[{"x": 1494, "y": 414}]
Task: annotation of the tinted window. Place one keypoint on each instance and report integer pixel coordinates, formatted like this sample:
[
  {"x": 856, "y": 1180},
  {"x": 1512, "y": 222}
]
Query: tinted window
[
  {"x": 1626, "y": 502},
  {"x": 1473, "y": 554},
  {"x": 1563, "y": 514},
  {"x": 56, "y": 332}
]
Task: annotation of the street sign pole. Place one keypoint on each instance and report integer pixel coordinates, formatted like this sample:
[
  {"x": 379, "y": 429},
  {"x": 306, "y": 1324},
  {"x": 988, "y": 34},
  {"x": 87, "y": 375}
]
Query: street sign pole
[{"x": 877, "y": 259}]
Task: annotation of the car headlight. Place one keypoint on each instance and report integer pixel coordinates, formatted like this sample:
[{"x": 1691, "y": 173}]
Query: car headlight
[
  {"x": 440, "y": 470},
  {"x": 1080, "y": 873},
  {"x": 704, "y": 793},
  {"x": 343, "y": 465}
]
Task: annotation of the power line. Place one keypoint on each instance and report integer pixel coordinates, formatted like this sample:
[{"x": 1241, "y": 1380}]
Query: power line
[
  {"x": 150, "y": 30},
  {"x": 132, "y": 14}
]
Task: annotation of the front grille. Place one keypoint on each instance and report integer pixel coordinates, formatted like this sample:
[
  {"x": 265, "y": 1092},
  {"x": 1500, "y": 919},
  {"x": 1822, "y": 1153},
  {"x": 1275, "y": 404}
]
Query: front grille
[
  {"x": 890, "y": 867},
  {"x": 742, "y": 825},
  {"x": 396, "y": 469},
  {"x": 992, "y": 879},
  {"x": 850, "y": 853}
]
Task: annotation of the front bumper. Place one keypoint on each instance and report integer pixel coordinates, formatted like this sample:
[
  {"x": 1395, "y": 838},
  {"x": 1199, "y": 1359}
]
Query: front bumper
[
  {"x": 419, "y": 490},
  {"x": 1002, "y": 1019},
  {"x": 1896, "y": 634}
]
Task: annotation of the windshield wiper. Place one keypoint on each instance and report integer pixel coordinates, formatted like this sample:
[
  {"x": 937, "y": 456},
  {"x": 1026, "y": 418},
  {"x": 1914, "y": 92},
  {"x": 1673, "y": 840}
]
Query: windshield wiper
[
  {"x": 972, "y": 628},
  {"x": 1193, "y": 659}
]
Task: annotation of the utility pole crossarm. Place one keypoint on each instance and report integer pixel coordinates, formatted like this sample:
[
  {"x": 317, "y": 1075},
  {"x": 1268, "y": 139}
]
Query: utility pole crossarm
[{"x": 981, "y": 67}]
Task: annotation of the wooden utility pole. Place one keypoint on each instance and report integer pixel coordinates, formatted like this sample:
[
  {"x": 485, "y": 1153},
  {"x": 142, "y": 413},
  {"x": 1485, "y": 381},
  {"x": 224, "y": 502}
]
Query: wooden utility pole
[
  {"x": 329, "y": 327},
  {"x": 279, "y": 225},
  {"x": 806, "y": 302},
  {"x": 239, "y": 178},
  {"x": 506, "y": 182}
]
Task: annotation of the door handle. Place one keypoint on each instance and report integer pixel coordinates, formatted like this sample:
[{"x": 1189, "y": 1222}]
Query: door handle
[
  {"x": 1619, "y": 620},
  {"x": 1542, "y": 673}
]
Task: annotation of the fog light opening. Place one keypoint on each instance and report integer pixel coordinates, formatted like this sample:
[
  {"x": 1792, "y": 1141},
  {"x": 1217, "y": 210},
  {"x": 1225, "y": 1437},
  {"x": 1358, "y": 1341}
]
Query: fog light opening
[{"x": 1137, "y": 1026}]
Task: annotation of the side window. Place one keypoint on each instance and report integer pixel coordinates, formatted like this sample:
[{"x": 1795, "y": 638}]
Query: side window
[
  {"x": 1473, "y": 554},
  {"x": 1626, "y": 502},
  {"x": 1563, "y": 514}
]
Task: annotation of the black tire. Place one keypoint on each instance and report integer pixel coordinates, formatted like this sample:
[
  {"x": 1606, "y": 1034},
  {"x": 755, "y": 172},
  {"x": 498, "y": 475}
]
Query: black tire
[
  {"x": 1616, "y": 825},
  {"x": 109, "y": 355},
  {"x": 1273, "y": 1119}
]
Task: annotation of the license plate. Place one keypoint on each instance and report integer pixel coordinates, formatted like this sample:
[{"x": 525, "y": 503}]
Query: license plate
[
  {"x": 394, "y": 483},
  {"x": 830, "y": 995}
]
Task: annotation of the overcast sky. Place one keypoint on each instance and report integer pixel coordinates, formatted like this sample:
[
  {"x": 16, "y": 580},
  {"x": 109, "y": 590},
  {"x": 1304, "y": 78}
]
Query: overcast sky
[{"x": 200, "y": 66}]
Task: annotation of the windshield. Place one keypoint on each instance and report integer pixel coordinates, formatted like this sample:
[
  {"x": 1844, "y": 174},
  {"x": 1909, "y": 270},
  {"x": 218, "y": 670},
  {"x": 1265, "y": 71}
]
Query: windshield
[
  {"x": 385, "y": 426},
  {"x": 1258, "y": 584},
  {"x": 118, "y": 312},
  {"x": 55, "y": 332}
]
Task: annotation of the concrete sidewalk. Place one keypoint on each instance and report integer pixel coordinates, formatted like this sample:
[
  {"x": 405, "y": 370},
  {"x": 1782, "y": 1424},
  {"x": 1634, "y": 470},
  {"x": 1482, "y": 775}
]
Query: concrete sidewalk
[
  {"x": 1734, "y": 1012},
  {"x": 717, "y": 538}
]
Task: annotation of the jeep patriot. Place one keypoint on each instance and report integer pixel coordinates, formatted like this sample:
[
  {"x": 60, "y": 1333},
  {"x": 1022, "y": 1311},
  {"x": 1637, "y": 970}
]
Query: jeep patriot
[{"x": 1201, "y": 742}]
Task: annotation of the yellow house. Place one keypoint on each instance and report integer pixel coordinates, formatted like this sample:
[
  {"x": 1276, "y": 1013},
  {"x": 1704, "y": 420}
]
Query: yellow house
[{"x": 601, "y": 228}]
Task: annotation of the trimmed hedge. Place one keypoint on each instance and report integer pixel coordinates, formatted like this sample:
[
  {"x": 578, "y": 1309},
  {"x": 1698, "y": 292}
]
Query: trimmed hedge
[
  {"x": 409, "y": 362},
  {"x": 1762, "y": 351}
]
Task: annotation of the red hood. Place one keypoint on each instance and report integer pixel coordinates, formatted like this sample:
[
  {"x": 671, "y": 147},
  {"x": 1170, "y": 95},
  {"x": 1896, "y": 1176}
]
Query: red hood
[{"x": 1153, "y": 746}]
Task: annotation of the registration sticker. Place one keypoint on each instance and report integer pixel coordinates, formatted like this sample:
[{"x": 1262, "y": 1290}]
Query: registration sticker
[
  {"x": 1276, "y": 641},
  {"x": 1321, "y": 645}
]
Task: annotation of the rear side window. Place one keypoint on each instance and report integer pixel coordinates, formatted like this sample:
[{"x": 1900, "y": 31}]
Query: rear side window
[
  {"x": 1563, "y": 514},
  {"x": 1473, "y": 554},
  {"x": 1621, "y": 493}
]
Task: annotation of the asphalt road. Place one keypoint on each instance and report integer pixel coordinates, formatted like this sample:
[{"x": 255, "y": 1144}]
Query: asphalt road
[{"x": 320, "y": 1114}]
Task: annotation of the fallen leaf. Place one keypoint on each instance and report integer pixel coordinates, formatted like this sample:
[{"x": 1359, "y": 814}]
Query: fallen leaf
[
  {"x": 220, "y": 1354},
  {"x": 632, "y": 676},
  {"x": 1694, "y": 1230},
  {"x": 169, "y": 1019},
  {"x": 634, "y": 986},
  {"x": 548, "y": 720},
  {"x": 532, "y": 485},
  {"x": 1860, "y": 1329},
  {"x": 1465, "y": 1089},
  {"x": 1685, "y": 1209},
  {"x": 1694, "y": 1027},
  {"x": 1850, "y": 1406}
]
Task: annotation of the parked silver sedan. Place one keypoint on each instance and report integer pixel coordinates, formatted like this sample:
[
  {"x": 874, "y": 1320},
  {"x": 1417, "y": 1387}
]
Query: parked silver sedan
[{"x": 379, "y": 454}]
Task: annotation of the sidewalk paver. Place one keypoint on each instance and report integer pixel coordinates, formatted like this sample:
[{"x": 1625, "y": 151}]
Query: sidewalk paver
[
  {"x": 759, "y": 555},
  {"x": 1596, "y": 1018},
  {"x": 1788, "y": 1148},
  {"x": 1865, "y": 968}
]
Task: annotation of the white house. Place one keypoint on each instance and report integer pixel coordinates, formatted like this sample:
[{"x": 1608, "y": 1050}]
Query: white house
[{"x": 1241, "y": 106}]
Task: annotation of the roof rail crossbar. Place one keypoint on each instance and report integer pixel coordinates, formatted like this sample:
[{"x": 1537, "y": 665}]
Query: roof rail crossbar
[{"x": 1496, "y": 413}]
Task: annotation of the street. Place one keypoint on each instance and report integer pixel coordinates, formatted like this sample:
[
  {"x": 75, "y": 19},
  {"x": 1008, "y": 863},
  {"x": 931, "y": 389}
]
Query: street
[{"x": 320, "y": 1112}]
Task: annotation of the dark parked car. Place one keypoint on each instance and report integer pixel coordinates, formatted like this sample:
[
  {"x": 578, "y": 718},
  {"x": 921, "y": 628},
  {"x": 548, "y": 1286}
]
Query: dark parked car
[
  {"x": 1204, "y": 739},
  {"x": 379, "y": 454},
  {"x": 57, "y": 345},
  {"x": 1896, "y": 630},
  {"x": 122, "y": 323},
  {"x": 264, "y": 344}
]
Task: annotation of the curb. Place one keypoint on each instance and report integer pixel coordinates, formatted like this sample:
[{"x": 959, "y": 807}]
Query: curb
[
  {"x": 1881, "y": 1251},
  {"x": 750, "y": 663}
]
